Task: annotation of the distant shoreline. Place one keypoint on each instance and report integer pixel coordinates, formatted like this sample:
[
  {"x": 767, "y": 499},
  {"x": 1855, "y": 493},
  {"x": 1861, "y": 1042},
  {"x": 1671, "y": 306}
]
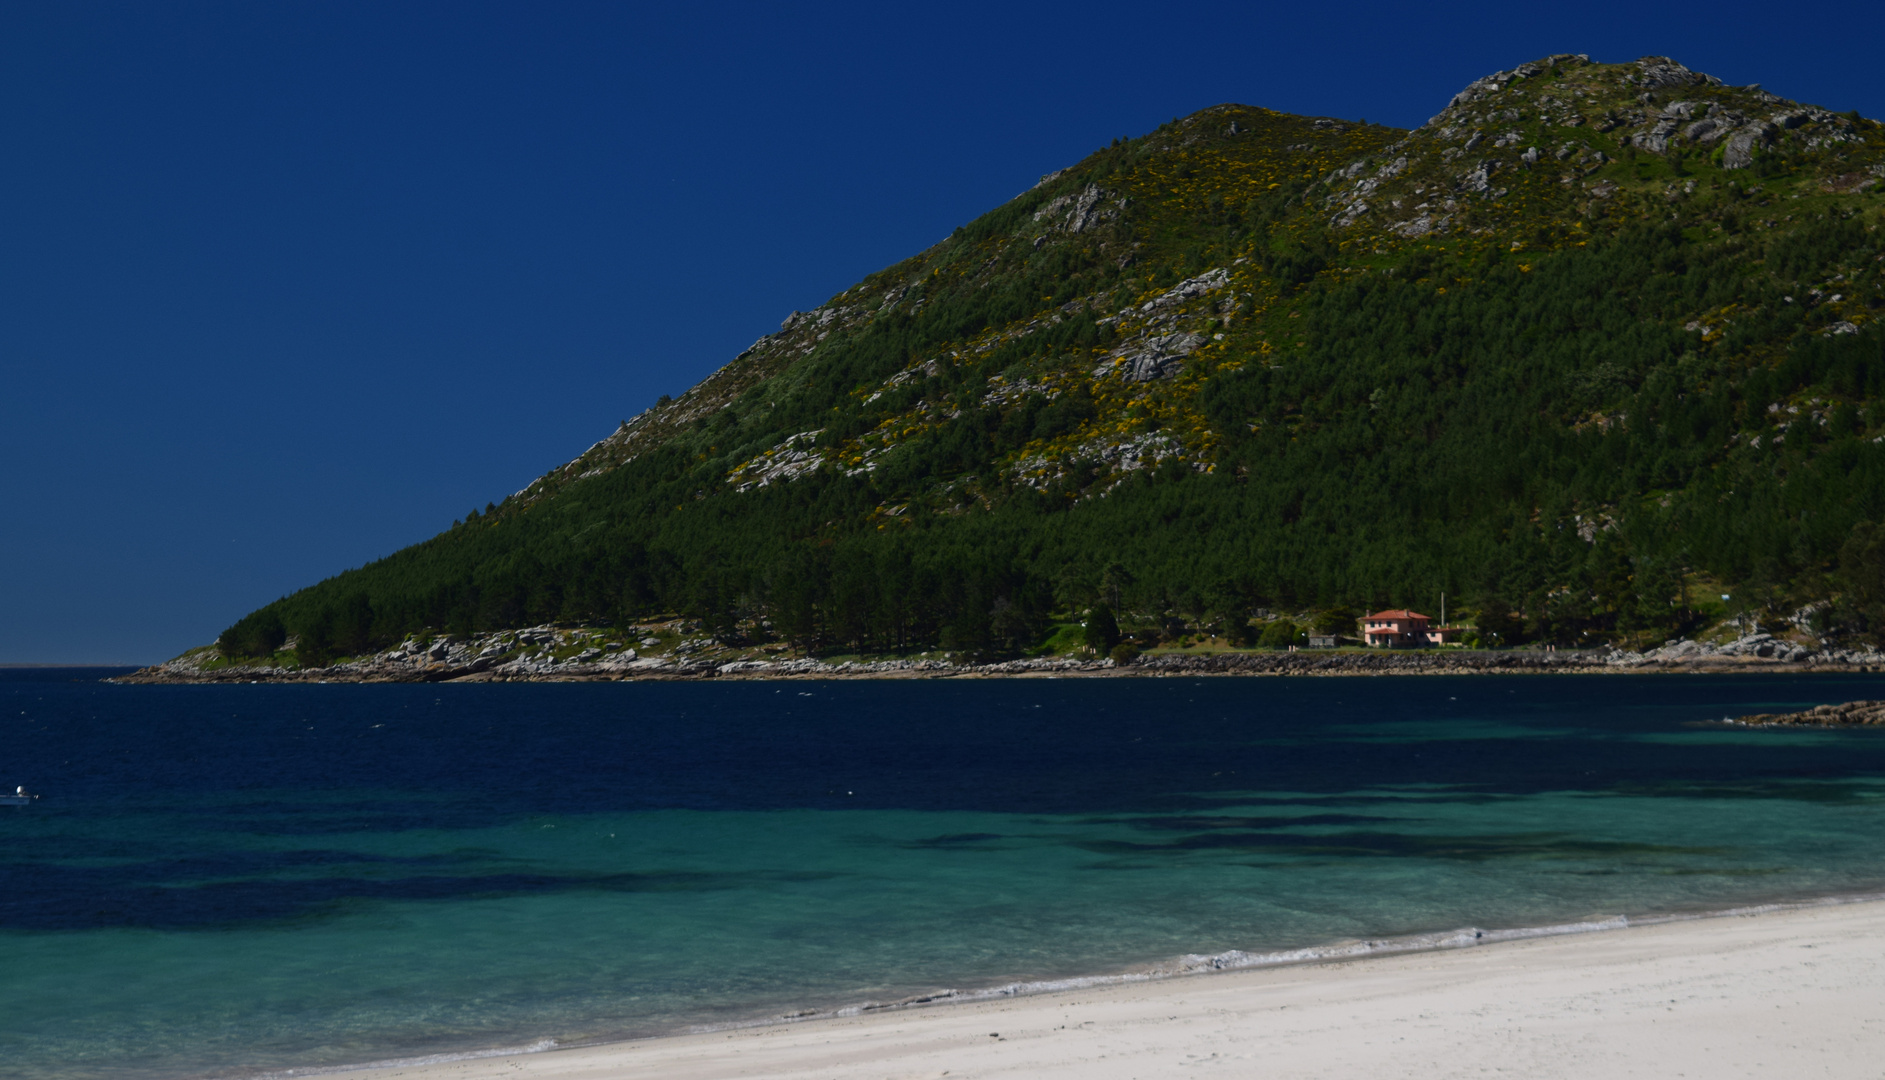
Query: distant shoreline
[
  {"x": 62, "y": 667},
  {"x": 1309, "y": 663}
]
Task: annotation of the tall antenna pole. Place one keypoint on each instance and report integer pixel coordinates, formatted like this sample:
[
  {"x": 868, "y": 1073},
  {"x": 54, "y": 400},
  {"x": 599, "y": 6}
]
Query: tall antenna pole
[{"x": 1443, "y": 608}]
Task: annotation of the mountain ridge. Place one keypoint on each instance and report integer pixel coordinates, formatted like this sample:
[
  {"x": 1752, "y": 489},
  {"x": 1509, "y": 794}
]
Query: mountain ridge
[
  {"x": 1734, "y": 134},
  {"x": 1551, "y": 344}
]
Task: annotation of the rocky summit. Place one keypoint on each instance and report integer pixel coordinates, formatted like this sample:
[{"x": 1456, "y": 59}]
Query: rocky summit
[{"x": 1593, "y": 354}]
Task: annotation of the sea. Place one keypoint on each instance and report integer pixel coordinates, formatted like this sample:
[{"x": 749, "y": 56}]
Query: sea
[{"x": 232, "y": 881}]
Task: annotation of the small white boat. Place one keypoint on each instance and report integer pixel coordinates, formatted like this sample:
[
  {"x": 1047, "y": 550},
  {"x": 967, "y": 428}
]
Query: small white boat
[{"x": 20, "y": 797}]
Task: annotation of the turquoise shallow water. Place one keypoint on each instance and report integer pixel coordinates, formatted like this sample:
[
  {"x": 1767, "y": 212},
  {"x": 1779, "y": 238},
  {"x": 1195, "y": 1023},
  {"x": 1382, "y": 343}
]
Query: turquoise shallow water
[{"x": 226, "y": 880}]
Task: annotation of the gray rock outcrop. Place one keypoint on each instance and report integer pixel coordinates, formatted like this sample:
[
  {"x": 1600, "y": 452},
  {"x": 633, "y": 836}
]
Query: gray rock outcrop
[
  {"x": 1157, "y": 357},
  {"x": 1754, "y": 646},
  {"x": 1850, "y": 714},
  {"x": 1743, "y": 144}
]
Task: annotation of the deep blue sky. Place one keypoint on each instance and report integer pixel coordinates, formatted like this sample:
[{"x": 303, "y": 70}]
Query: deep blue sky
[{"x": 285, "y": 287}]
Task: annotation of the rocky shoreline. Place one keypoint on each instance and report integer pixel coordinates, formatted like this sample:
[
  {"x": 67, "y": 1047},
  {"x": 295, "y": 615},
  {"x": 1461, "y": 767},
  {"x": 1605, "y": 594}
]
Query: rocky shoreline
[
  {"x": 1850, "y": 714},
  {"x": 553, "y": 654}
]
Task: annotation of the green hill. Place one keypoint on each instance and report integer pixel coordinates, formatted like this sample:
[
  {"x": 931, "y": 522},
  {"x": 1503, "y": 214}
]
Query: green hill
[{"x": 1594, "y": 345}]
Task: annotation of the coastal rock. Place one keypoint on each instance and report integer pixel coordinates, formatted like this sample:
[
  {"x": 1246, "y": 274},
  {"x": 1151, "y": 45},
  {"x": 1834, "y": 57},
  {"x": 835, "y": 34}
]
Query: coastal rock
[
  {"x": 1850, "y": 714},
  {"x": 1755, "y": 647},
  {"x": 1765, "y": 646},
  {"x": 1679, "y": 650},
  {"x": 1753, "y": 652},
  {"x": 1383, "y": 662}
]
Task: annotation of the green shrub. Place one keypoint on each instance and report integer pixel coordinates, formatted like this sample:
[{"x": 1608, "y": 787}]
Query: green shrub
[{"x": 1280, "y": 634}]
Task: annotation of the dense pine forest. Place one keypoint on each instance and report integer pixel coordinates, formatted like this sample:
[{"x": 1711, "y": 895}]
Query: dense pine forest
[{"x": 1590, "y": 351}]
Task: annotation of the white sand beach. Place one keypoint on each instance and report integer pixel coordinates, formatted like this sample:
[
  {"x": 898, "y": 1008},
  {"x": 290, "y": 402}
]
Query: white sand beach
[{"x": 1798, "y": 993}]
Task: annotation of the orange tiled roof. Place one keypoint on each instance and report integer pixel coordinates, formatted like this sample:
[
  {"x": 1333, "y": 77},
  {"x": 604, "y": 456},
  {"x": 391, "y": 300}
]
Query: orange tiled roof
[{"x": 1396, "y": 614}]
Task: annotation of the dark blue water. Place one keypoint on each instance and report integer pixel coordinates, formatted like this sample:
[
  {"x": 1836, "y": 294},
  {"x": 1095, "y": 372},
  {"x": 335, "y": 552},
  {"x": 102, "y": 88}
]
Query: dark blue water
[{"x": 238, "y": 878}]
